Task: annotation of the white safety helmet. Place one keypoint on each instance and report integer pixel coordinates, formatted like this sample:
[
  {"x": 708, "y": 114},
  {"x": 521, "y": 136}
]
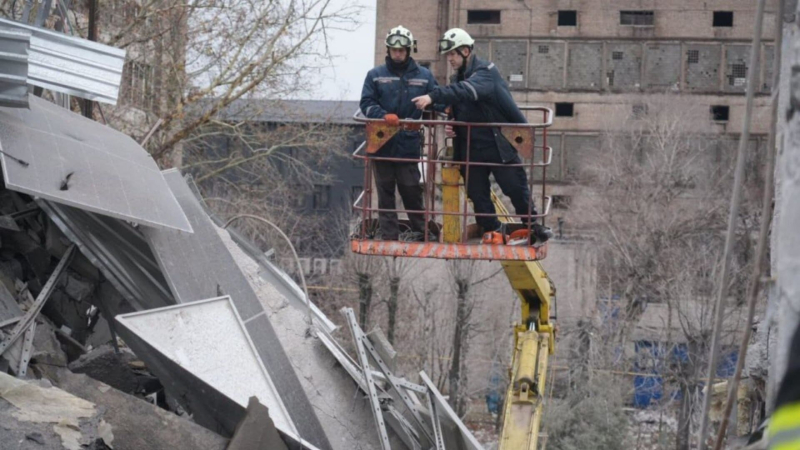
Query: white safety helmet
[
  {"x": 455, "y": 38},
  {"x": 400, "y": 37}
]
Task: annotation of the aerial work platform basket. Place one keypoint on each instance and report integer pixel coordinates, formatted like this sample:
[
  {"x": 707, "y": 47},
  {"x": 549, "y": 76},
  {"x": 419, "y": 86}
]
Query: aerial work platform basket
[{"x": 452, "y": 231}]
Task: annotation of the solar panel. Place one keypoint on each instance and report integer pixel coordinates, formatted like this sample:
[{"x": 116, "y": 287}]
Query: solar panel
[{"x": 53, "y": 153}]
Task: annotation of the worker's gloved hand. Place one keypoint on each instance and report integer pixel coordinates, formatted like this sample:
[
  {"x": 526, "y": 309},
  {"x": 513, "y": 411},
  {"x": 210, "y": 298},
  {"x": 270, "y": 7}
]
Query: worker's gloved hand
[
  {"x": 392, "y": 119},
  {"x": 449, "y": 132}
]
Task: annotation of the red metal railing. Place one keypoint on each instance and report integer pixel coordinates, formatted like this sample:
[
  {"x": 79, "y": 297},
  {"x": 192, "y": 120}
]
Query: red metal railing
[{"x": 521, "y": 136}]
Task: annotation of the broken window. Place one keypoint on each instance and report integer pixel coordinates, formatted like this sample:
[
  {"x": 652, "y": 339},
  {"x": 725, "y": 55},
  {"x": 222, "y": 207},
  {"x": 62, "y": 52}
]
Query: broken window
[
  {"x": 616, "y": 56},
  {"x": 483, "y": 16},
  {"x": 544, "y": 49},
  {"x": 138, "y": 85},
  {"x": 638, "y": 18},
  {"x": 322, "y": 196},
  {"x": 610, "y": 77},
  {"x": 568, "y": 18},
  {"x": 693, "y": 56},
  {"x": 565, "y": 109},
  {"x": 720, "y": 113},
  {"x": 723, "y": 18}
]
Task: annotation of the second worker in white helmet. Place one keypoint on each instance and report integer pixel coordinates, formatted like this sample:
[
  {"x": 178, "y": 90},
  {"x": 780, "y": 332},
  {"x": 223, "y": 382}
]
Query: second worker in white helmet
[{"x": 478, "y": 93}]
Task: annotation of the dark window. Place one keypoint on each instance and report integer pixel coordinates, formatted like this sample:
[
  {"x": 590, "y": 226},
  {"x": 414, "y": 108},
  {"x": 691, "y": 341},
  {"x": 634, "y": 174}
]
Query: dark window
[
  {"x": 298, "y": 197},
  {"x": 568, "y": 18},
  {"x": 723, "y": 18},
  {"x": 693, "y": 56},
  {"x": 561, "y": 201},
  {"x": 544, "y": 49},
  {"x": 641, "y": 18},
  {"x": 617, "y": 56},
  {"x": 565, "y": 109},
  {"x": 639, "y": 110},
  {"x": 610, "y": 77},
  {"x": 322, "y": 196},
  {"x": 720, "y": 113},
  {"x": 483, "y": 16}
]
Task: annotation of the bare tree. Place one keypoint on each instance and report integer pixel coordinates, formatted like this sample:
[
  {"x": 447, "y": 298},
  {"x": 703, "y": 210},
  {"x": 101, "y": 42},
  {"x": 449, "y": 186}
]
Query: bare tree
[
  {"x": 660, "y": 203},
  {"x": 189, "y": 61}
]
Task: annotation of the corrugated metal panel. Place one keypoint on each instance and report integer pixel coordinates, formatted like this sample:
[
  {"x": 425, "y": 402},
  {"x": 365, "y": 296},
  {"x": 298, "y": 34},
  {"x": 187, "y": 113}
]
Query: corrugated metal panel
[
  {"x": 76, "y": 161},
  {"x": 14, "y": 67},
  {"x": 72, "y": 65}
]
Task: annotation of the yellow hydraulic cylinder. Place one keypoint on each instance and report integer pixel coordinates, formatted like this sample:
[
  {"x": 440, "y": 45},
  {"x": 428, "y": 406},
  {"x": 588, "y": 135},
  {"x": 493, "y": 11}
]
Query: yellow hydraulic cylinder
[
  {"x": 451, "y": 201},
  {"x": 526, "y": 374}
]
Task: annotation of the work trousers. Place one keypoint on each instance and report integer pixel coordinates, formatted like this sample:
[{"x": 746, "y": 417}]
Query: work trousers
[
  {"x": 512, "y": 181},
  {"x": 406, "y": 178}
]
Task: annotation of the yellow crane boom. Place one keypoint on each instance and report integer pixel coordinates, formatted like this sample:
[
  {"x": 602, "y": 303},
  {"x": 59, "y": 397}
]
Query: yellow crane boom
[{"x": 534, "y": 342}]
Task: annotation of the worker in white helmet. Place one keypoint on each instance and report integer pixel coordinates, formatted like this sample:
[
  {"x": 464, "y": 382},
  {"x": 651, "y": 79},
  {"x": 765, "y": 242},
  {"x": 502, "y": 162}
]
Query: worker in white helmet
[
  {"x": 387, "y": 93},
  {"x": 479, "y": 94}
]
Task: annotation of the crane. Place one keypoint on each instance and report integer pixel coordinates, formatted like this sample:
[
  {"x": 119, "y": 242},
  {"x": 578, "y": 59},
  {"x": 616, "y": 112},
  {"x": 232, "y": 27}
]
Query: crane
[{"x": 534, "y": 334}]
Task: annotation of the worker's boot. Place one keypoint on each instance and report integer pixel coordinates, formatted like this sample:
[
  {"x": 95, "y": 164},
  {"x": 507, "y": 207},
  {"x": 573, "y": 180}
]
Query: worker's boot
[{"x": 541, "y": 233}]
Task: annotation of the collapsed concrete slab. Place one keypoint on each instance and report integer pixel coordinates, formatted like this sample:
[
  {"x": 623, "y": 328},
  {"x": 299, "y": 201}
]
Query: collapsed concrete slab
[
  {"x": 137, "y": 424},
  {"x": 209, "y": 340},
  {"x": 198, "y": 266},
  {"x": 343, "y": 412},
  {"x": 49, "y": 416}
]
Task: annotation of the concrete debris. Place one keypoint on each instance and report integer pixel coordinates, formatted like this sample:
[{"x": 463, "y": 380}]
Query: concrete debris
[
  {"x": 206, "y": 339},
  {"x": 346, "y": 419},
  {"x": 137, "y": 424},
  {"x": 256, "y": 430},
  {"x": 50, "y": 413},
  {"x": 198, "y": 267},
  {"x": 104, "y": 364}
]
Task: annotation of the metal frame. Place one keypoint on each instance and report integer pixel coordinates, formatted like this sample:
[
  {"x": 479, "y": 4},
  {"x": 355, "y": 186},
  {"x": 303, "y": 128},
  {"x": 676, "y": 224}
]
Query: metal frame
[
  {"x": 437, "y": 425},
  {"x": 27, "y": 348},
  {"x": 521, "y": 136},
  {"x": 372, "y": 394},
  {"x": 44, "y": 294}
]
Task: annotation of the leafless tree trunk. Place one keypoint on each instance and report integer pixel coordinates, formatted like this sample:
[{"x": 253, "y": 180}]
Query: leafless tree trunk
[{"x": 364, "y": 298}]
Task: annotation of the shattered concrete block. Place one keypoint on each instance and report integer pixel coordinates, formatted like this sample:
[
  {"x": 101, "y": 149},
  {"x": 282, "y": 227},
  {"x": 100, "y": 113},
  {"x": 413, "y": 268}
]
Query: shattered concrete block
[
  {"x": 256, "y": 430},
  {"x": 137, "y": 424},
  {"x": 46, "y": 348},
  {"x": 77, "y": 289},
  {"x": 103, "y": 364},
  {"x": 9, "y": 308},
  {"x": 52, "y": 418}
]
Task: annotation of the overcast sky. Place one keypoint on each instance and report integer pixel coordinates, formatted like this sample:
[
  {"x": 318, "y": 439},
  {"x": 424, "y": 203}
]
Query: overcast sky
[{"x": 353, "y": 56}]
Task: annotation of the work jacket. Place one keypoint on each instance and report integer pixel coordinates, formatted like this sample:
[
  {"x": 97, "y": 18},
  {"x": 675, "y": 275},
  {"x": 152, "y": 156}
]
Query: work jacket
[
  {"x": 388, "y": 92},
  {"x": 480, "y": 94}
]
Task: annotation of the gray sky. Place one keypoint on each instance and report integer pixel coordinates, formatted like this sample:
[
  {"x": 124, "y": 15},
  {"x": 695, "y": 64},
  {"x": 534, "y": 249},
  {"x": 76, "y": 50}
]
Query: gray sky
[{"x": 353, "y": 56}]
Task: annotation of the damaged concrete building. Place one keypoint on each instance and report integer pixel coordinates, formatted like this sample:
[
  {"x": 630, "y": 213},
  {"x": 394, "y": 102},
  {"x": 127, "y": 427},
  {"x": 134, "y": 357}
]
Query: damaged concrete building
[{"x": 131, "y": 318}]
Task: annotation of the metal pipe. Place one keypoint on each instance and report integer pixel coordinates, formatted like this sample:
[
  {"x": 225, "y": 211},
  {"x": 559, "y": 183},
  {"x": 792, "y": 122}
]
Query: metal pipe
[{"x": 294, "y": 252}]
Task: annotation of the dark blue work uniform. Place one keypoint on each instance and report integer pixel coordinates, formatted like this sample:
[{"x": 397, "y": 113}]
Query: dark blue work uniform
[
  {"x": 388, "y": 89},
  {"x": 478, "y": 93}
]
